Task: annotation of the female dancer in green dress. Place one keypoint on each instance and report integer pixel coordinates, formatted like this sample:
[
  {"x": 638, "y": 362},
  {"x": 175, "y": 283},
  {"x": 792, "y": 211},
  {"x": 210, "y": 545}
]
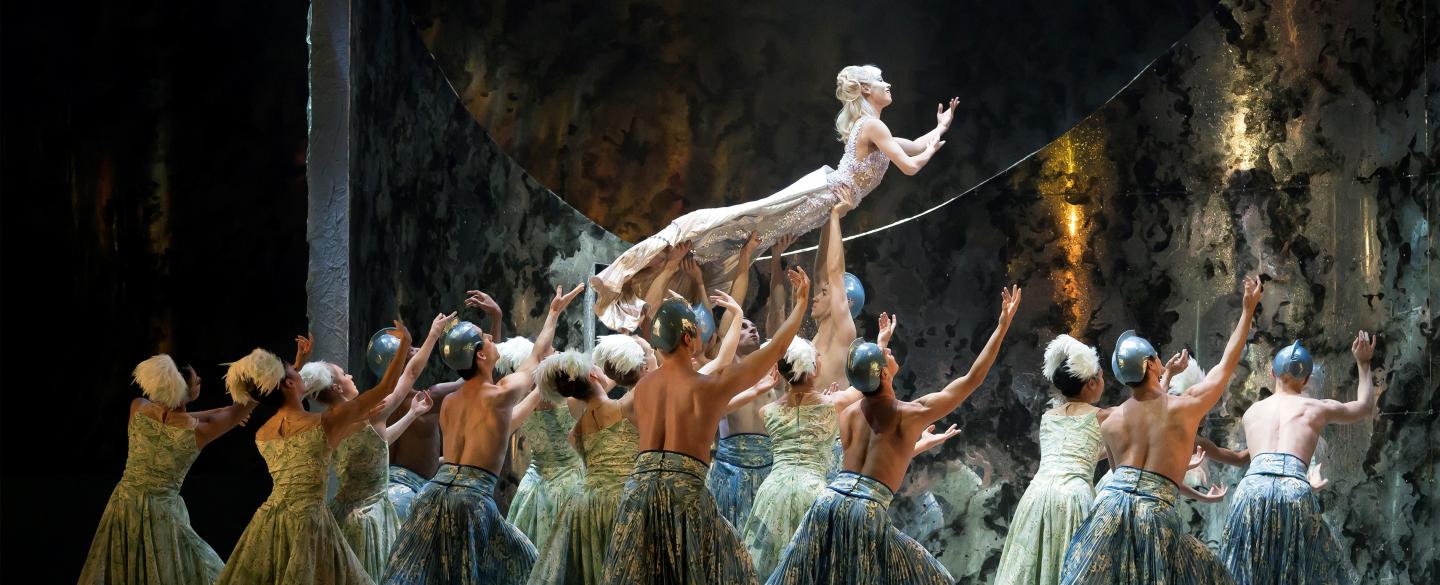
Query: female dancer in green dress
[
  {"x": 365, "y": 513},
  {"x": 554, "y": 473},
  {"x": 1060, "y": 495},
  {"x": 293, "y": 538},
  {"x": 144, "y": 536}
]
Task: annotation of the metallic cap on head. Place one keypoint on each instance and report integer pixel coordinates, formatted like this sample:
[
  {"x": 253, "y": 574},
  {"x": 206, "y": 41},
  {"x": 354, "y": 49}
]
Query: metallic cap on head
[
  {"x": 705, "y": 320},
  {"x": 864, "y": 366},
  {"x": 1294, "y": 361},
  {"x": 855, "y": 292},
  {"x": 381, "y": 349},
  {"x": 672, "y": 322},
  {"x": 457, "y": 348},
  {"x": 1128, "y": 360}
]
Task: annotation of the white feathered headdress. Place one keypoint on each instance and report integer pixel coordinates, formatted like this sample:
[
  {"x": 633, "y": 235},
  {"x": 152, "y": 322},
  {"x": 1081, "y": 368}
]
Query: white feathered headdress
[
  {"x": 801, "y": 357},
  {"x": 1080, "y": 360},
  {"x": 161, "y": 381},
  {"x": 259, "y": 370},
  {"x": 570, "y": 364},
  {"x": 1182, "y": 381},
  {"x": 513, "y": 352},
  {"x": 317, "y": 376},
  {"x": 621, "y": 352}
]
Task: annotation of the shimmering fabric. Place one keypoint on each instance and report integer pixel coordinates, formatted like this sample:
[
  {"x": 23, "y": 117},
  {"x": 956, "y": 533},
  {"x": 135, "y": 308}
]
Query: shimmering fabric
[
  {"x": 1275, "y": 534},
  {"x": 717, "y": 234},
  {"x": 1054, "y": 504},
  {"x": 802, "y": 436},
  {"x": 576, "y": 552},
  {"x": 144, "y": 535},
  {"x": 293, "y": 538},
  {"x": 456, "y": 535},
  {"x": 847, "y": 537},
  {"x": 553, "y": 476},
  {"x": 741, "y": 463},
  {"x": 361, "y": 505},
  {"x": 1134, "y": 536},
  {"x": 668, "y": 531},
  {"x": 404, "y": 486},
  {"x": 837, "y": 454}
]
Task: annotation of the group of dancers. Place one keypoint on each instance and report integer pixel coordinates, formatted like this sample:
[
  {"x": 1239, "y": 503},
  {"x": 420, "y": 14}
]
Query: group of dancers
[{"x": 672, "y": 453}]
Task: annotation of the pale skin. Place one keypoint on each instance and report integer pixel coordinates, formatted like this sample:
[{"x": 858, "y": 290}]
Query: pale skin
[
  {"x": 208, "y": 424},
  {"x": 419, "y": 449},
  {"x": 340, "y": 420},
  {"x": 476, "y": 420},
  {"x": 880, "y": 432},
  {"x": 1288, "y": 422},
  {"x": 830, "y": 307},
  {"x": 908, "y": 155},
  {"x": 679, "y": 409},
  {"x": 343, "y": 390},
  {"x": 1155, "y": 431}
]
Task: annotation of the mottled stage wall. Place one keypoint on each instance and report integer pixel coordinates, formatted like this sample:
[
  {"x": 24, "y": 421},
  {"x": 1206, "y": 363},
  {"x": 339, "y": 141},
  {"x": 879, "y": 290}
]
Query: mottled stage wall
[
  {"x": 437, "y": 208},
  {"x": 1289, "y": 139},
  {"x": 636, "y": 111}
]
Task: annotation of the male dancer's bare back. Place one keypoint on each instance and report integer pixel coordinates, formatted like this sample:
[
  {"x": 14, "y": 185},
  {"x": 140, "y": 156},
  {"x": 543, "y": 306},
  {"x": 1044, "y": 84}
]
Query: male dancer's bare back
[
  {"x": 880, "y": 432},
  {"x": 1155, "y": 431},
  {"x": 678, "y": 409},
  {"x": 1287, "y": 422}
]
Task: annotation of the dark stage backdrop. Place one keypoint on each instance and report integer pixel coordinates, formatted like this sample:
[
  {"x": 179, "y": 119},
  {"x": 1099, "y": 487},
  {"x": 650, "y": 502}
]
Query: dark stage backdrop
[
  {"x": 153, "y": 200},
  {"x": 1291, "y": 138}
]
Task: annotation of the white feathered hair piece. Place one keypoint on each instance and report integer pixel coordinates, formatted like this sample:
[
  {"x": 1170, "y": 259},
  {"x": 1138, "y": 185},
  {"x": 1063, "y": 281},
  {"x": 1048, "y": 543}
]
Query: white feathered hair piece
[
  {"x": 620, "y": 351},
  {"x": 1182, "y": 381},
  {"x": 161, "y": 381},
  {"x": 801, "y": 357},
  {"x": 317, "y": 376},
  {"x": 1080, "y": 360},
  {"x": 570, "y": 363},
  {"x": 513, "y": 352},
  {"x": 260, "y": 370}
]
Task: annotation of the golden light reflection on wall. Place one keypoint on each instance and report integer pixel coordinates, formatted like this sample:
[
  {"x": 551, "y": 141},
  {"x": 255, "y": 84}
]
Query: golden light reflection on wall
[{"x": 1074, "y": 176}]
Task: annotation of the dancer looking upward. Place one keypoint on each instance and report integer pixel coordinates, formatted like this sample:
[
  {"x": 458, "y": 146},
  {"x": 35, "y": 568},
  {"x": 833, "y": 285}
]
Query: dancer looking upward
[{"x": 715, "y": 234}]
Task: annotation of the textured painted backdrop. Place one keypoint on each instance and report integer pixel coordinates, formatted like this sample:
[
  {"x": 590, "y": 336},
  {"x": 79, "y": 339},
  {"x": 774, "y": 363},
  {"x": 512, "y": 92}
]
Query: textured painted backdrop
[{"x": 1291, "y": 139}]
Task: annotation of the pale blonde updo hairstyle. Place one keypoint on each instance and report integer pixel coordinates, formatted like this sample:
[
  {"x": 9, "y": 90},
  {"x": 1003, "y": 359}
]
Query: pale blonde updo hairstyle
[{"x": 848, "y": 86}]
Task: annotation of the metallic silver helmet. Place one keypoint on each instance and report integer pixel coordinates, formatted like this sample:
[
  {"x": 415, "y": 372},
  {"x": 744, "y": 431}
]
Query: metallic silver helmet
[
  {"x": 1294, "y": 360},
  {"x": 458, "y": 346},
  {"x": 864, "y": 366},
  {"x": 381, "y": 349},
  {"x": 1128, "y": 360}
]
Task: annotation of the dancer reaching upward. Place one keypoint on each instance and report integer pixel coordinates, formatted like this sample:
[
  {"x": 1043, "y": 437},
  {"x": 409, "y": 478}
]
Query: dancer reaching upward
[
  {"x": 667, "y": 529},
  {"x": 1132, "y": 534},
  {"x": 847, "y": 536},
  {"x": 144, "y": 535},
  {"x": 293, "y": 537},
  {"x": 361, "y": 506},
  {"x": 715, "y": 234},
  {"x": 1275, "y": 533}
]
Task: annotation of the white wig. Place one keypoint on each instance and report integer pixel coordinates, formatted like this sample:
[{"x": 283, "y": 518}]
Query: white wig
[
  {"x": 1080, "y": 360},
  {"x": 162, "y": 382},
  {"x": 1182, "y": 381},
  {"x": 317, "y": 376},
  {"x": 621, "y": 352},
  {"x": 570, "y": 364},
  {"x": 801, "y": 356},
  {"x": 513, "y": 352},
  {"x": 260, "y": 371}
]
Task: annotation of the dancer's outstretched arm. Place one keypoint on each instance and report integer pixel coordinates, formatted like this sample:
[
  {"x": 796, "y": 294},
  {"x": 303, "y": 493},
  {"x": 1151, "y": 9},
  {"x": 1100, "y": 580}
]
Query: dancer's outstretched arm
[
  {"x": 1364, "y": 404},
  {"x": 731, "y": 342},
  {"x": 656, "y": 293},
  {"x": 744, "y": 374},
  {"x": 775, "y": 306},
  {"x": 741, "y": 285},
  {"x": 482, "y": 301},
  {"x": 1205, "y": 393},
  {"x": 879, "y": 134},
  {"x": 939, "y": 404},
  {"x": 943, "y": 118}
]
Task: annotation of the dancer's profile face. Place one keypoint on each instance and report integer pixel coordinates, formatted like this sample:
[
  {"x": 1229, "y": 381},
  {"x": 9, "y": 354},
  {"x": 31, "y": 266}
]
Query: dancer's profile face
[
  {"x": 819, "y": 304},
  {"x": 749, "y": 335},
  {"x": 879, "y": 93},
  {"x": 344, "y": 383}
]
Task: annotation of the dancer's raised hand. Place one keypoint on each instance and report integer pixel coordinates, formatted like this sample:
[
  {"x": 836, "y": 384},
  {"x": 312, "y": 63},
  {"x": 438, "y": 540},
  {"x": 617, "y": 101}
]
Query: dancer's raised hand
[
  {"x": 562, "y": 299},
  {"x": 1009, "y": 304},
  {"x": 887, "y": 329},
  {"x": 943, "y": 115}
]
